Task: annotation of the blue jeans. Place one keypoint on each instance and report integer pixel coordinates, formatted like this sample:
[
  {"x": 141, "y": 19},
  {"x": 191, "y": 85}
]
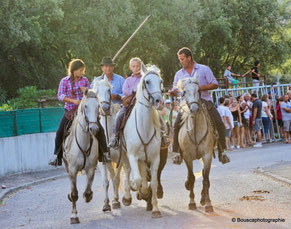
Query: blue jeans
[{"x": 266, "y": 123}]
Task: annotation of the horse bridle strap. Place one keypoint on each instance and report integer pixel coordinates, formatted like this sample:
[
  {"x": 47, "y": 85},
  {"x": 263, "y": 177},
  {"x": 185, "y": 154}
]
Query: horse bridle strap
[
  {"x": 150, "y": 94},
  {"x": 87, "y": 152},
  {"x": 140, "y": 138}
]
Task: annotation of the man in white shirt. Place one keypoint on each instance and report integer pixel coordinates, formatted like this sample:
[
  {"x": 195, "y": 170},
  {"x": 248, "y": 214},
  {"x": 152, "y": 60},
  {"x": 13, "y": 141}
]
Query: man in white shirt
[
  {"x": 228, "y": 121},
  {"x": 286, "y": 117}
]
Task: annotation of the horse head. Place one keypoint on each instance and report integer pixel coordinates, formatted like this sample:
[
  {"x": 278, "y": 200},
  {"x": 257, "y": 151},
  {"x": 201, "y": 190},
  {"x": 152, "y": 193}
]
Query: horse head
[
  {"x": 103, "y": 92},
  {"x": 190, "y": 88},
  {"x": 89, "y": 108},
  {"x": 151, "y": 86}
]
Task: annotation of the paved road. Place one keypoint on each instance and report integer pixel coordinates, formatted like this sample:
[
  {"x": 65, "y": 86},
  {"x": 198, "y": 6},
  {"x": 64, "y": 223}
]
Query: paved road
[{"x": 236, "y": 191}]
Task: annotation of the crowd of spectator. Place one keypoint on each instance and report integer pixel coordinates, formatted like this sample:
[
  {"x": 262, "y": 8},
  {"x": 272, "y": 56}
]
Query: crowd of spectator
[{"x": 248, "y": 119}]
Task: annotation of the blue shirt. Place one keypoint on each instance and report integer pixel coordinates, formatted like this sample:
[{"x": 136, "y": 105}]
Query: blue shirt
[
  {"x": 116, "y": 83},
  {"x": 205, "y": 77},
  {"x": 227, "y": 74}
]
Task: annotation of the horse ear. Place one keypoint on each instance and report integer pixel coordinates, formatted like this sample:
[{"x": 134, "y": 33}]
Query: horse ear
[{"x": 143, "y": 68}]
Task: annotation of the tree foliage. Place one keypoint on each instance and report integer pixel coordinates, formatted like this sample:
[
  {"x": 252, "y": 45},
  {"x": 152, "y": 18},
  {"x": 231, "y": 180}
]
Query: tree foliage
[{"x": 39, "y": 37}]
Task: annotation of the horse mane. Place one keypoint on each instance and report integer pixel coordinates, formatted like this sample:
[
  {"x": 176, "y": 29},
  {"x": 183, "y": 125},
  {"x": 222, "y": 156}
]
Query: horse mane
[
  {"x": 156, "y": 70},
  {"x": 91, "y": 92},
  {"x": 102, "y": 82}
]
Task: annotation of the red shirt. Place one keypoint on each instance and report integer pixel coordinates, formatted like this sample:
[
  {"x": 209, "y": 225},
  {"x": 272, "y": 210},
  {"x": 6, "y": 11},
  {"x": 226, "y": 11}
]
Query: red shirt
[{"x": 279, "y": 113}]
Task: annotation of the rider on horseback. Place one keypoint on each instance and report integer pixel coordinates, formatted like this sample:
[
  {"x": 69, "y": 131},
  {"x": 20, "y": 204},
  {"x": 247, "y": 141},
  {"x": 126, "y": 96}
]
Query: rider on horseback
[
  {"x": 128, "y": 89},
  {"x": 71, "y": 92},
  {"x": 207, "y": 82}
]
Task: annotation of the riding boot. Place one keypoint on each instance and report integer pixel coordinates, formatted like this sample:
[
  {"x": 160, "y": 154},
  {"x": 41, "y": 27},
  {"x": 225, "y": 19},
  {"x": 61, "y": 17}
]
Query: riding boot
[
  {"x": 58, "y": 152},
  {"x": 104, "y": 155},
  {"x": 164, "y": 137},
  {"x": 178, "y": 156},
  {"x": 219, "y": 125},
  {"x": 114, "y": 142}
]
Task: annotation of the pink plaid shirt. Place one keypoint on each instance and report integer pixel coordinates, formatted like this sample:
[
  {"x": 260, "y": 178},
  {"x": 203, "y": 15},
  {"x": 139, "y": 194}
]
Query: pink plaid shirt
[{"x": 65, "y": 89}]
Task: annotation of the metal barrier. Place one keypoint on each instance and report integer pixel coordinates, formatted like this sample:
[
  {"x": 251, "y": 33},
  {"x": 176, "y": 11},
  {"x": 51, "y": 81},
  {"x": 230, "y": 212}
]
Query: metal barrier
[{"x": 259, "y": 90}]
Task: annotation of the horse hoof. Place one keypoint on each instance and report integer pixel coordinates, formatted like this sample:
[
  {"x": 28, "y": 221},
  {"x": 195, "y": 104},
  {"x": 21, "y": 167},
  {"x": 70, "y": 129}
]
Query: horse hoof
[
  {"x": 133, "y": 189},
  {"x": 126, "y": 202},
  {"x": 106, "y": 208},
  {"x": 75, "y": 220},
  {"x": 208, "y": 209},
  {"x": 187, "y": 186},
  {"x": 224, "y": 159},
  {"x": 116, "y": 205},
  {"x": 192, "y": 206},
  {"x": 156, "y": 215},
  {"x": 160, "y": 192},
  {"x": 149, "y": 207},
  {"x": 88, "y": 196},
  {"x": 138, "y": 196}
]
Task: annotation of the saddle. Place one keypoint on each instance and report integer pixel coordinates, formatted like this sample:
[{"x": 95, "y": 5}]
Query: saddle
[{"x": 129, "y": 108}]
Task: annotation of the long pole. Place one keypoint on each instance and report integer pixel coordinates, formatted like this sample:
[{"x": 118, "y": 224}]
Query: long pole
[{"x": 129, "y": 39}]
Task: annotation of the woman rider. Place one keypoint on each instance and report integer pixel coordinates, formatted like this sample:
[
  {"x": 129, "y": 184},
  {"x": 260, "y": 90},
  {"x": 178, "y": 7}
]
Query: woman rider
[{"x": 72, "y": 96}]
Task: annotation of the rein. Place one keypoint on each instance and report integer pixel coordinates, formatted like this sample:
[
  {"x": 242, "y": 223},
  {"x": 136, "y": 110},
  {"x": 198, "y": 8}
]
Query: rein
[{"x": 88, "y": 151}]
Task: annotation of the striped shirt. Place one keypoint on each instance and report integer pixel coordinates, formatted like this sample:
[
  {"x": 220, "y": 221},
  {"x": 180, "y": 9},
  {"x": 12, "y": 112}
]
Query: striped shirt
[{"x": 65, "y": 89}]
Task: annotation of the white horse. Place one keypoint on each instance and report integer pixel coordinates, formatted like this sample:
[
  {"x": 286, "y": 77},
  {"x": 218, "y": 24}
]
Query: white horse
[
  {"x": 197, "y": 139},
  {"x": 108, "y": 115},
  {"x": 81, "y": 148},
  {"x": 142, "y": 136}
]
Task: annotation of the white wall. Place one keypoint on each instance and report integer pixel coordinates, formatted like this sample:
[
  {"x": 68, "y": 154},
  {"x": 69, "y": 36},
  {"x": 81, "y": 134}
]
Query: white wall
[{"x": 26, "y": 153}]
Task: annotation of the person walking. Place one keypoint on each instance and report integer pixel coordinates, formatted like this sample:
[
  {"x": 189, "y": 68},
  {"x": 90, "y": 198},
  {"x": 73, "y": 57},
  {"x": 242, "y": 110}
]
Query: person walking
[{"x": 257, "y": 119}]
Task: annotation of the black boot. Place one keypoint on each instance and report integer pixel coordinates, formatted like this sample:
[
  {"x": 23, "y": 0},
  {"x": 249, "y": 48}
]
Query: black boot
[
  {"x": 178, "y": 156},
  {"x": 57, "y": 160},
  {"x": 219, "y": 125},
  {"x": 104, "y": 155}
]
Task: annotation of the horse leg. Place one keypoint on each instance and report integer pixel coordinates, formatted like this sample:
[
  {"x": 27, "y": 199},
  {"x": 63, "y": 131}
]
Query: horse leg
[
  {"x": 73, "y": 196},
  {"x": 143, "y": 193},
  {"x": 189, "y": 184},
  {"x": 163, "y": 161},
  {"x": 127, "y": 199},
  {"x": 115, "y": 177},
  {"x": 136, "y": 183},
  {"x": 106, "y": 206},
  {"x": 154, "y": 185},
  {"x": 88, "y": 194},
  {"x": 205, "y": 200}
]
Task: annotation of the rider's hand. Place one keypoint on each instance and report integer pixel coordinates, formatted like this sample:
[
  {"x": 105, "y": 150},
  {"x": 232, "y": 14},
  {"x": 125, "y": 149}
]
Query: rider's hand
[
  {"x": 77, "y": 101},
  {"x": 115, "y": 97},
  {"x": 173, "y": 93}
]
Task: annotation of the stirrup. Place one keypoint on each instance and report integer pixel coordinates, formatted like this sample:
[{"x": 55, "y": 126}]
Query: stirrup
[
  {"x": 177, "y": 159},
  {"x": 114, "y": 143}
]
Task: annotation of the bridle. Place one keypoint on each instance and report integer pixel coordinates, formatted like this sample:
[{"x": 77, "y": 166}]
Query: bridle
[
  {"x": 194, "y": 102},
  {"x": 87, "y": 152},
  {"x": 150, "y": 95}
]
